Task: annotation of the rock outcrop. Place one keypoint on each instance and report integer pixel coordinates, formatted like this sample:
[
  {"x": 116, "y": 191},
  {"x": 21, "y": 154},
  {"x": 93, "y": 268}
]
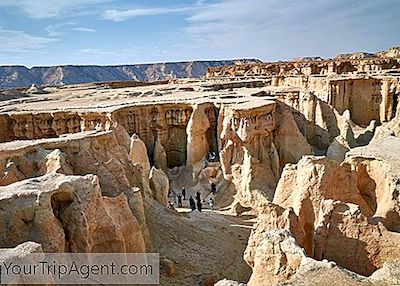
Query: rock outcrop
[
  {"x": 248, "y": 149},
  {"x": 378, "y": 170},
  {"x": 345, "y": 213},
  {"x": 256, "y": 143},
  {"x": 67, "y": 214},
  {"x": 277, "y": 258},
  {"x": 198, "y": 125},
  {"x": 159, "y": 184}
]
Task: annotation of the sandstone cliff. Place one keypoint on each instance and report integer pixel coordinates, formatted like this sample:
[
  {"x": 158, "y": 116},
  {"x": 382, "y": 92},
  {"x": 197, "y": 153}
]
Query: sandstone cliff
[{"x": 345, "y": 213}]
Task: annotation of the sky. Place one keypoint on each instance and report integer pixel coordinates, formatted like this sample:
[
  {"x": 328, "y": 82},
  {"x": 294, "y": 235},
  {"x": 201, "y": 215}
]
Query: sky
[{"x": 111, "y": 32}]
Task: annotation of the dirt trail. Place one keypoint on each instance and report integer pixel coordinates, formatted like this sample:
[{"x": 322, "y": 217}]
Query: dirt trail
[{"x": 204, "y": 246}]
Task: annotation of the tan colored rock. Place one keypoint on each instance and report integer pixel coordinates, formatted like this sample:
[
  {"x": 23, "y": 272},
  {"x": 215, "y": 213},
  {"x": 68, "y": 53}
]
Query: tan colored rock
[
  {"x": 248, "y": 150},
  {"x": 389, "y": 274},
  {"x": 86, "y": 153},
  {"x": 290, "y": 142},
  {"x": 313, "y": 272},
  {"x": 136, "y": 201},
  {"x": 167, "y": 267},
  {"x": 23, "y": 252},
  {"x": 277, "y": 258},
  {"x": 331, "y": 210},
  {"x": 304, "y": 186},
  {"x": 343, "y": 235},
  {"x": 344, "y": 142},
  {"x": 123, "y": 137},
  {"x": 67, "y": 214},
  {"x": 138, "y": 153},
  {"x": 337, "y": 149},
  {"x": 160, "y": 157},
  {"x": 54, "y": 162},
  {"x": 197, "y": 144},
  {"x": 364, "y": 137},
  {"x": 378, "y": 166},
  {"x": 11, "y": 174},
  {"x": 271, "y": 218},
  {"x": 348, "y": 212},
  {"x": 363, "y": 246},
  {"x": 159, "y": 184}
]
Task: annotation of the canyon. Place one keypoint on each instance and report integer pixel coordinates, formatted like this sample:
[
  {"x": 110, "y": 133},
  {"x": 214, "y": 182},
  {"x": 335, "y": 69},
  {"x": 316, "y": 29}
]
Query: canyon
[{"x": 304, "y": 156}]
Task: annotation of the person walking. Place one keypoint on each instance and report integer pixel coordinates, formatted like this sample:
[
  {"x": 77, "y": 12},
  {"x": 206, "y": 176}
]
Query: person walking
[
  {"x": 211, "y": 203},
  {"x": 213, "y": 188},
  {"x": 199, "y": 205},
  {"x": 192, "y": 204},
  {"x": 184, "y": 194},
  {"x": 198, "y": 194},
  {"x": 179, "y": 196}
]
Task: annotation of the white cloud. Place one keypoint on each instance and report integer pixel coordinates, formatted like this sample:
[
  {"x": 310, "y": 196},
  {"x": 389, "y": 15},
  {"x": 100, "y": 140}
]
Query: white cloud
[
  {"x": 57, "y": 30},
  {"x": 123, "y": 15},
  {"x": 282, "y": 29},
  {"x": 47, "y": 8},
  {"x": 54, "y": 30},
  {"x": 94, "y": 52},
  {"x": 84, "y": 29},
  {"x": 18, "y": 41}
]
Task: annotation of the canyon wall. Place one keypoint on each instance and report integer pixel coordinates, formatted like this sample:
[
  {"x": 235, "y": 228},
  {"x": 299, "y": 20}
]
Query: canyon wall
[{"x": 346, "y": 213}]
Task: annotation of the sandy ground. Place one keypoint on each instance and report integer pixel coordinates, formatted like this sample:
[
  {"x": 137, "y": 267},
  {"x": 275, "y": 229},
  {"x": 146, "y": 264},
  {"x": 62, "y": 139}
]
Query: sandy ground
[{"x": 205, "y": 246}]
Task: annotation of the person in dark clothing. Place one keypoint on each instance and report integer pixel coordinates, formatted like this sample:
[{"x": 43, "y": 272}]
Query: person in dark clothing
[
  {"x": 192, "y": 204},
  {"x": 179, "y": 200},
  {"x": 198, "y": 196},
  {"x": 213, "y": 188},
  {"x": 184, "y": 194},
  {"x": 199, "y": 205}
]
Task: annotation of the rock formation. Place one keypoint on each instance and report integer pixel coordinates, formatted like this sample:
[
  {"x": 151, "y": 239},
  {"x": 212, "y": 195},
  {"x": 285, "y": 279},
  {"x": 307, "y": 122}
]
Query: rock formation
[
  {"x": 159, "y": 184},
  {"x": 68, "y": 214},
  {"x": 307, "y": 148},
  {"x": 325, "y": 205}
]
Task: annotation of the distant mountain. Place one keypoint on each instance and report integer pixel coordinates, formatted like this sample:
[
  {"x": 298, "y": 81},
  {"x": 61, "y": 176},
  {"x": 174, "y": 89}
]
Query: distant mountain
[
  {"x": 20, "y": 76},
  {"x": 390, "y": 53},
  {"x": 355, "y": 56}
]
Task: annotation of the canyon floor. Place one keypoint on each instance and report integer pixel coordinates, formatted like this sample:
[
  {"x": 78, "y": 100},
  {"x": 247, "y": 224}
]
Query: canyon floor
[{"x": 204, "y": 246}]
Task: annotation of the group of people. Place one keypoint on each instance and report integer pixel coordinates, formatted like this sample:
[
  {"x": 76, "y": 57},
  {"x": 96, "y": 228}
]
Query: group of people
[
  {"x": 192, "y": 203},
  {"x": 198, "y": 202}
]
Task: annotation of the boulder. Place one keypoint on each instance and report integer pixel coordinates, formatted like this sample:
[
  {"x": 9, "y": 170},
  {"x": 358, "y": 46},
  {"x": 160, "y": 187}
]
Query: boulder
[
  {"x": 159, "y": 184},
  {"x": 167, "y": 267},
  {"x": 276, "y": 259}
]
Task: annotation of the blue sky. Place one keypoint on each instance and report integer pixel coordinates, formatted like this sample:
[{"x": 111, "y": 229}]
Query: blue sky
[{"x": 53, "y": 32}]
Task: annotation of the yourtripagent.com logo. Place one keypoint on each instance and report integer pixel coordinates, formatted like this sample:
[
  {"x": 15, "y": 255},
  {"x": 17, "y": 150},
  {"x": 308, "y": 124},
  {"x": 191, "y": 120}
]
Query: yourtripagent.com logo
[{"x": 81, "y": 268}]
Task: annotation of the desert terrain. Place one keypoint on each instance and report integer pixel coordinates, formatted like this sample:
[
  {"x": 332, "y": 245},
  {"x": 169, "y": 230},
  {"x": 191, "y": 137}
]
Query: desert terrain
[{"x": 304, "y": 156}]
